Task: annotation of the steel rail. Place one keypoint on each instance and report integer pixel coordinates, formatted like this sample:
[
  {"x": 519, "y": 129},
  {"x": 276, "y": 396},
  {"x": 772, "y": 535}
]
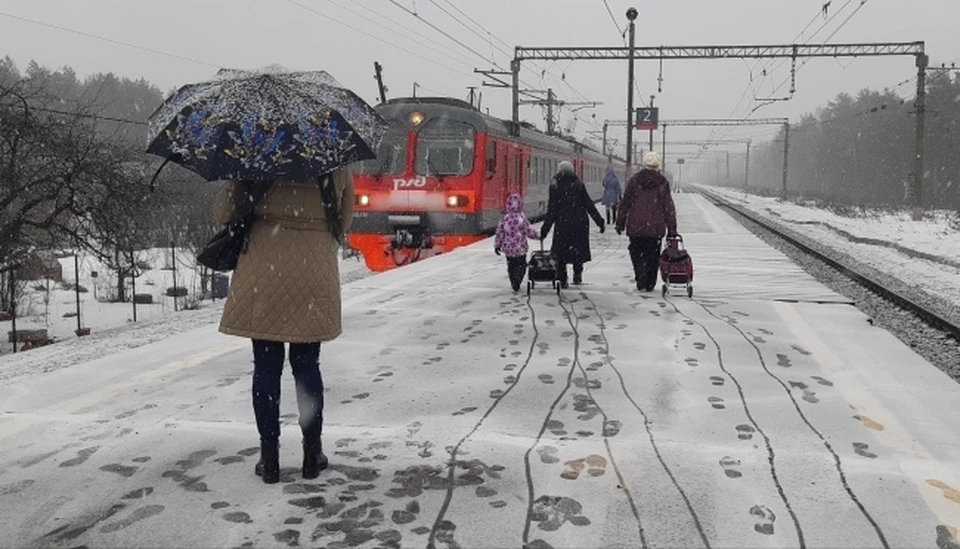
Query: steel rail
[{"x": 932, "y": 318}]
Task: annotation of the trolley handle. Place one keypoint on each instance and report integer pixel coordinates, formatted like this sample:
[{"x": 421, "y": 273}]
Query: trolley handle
[{"x": 675, "y": 241}]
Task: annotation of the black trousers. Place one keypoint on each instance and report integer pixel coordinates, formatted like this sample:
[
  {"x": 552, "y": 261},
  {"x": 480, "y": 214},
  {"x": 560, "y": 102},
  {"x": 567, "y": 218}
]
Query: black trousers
[
  {"x": 611, "y": 210},
  {"x": 268, "y": 359},
  {"x": 562, "y": 272},
  {"x": 516, "y": 268},
  {"x": 645, "y": 256}
]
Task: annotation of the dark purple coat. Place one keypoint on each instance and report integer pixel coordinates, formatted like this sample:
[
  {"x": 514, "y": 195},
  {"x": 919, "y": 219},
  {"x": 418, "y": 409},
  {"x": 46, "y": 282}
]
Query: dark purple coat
[{"x": 647, "y": 209}]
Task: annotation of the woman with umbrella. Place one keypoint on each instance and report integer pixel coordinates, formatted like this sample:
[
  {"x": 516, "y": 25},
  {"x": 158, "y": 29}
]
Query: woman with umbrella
[{"x": 281, "y": 141}]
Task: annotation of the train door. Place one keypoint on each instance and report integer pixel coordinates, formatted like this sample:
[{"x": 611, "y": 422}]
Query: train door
[
  {"x": 516, "y": 170},
  {"x": 504, "y": 156},
  {"x": 494, "y": 177},
  {"x": 513, "y": 162}
]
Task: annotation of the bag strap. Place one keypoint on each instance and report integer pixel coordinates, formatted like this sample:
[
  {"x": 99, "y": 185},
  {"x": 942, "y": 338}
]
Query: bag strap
[
  {"x": 253, "y": 194},
  {"x": 330, "y": 207}
]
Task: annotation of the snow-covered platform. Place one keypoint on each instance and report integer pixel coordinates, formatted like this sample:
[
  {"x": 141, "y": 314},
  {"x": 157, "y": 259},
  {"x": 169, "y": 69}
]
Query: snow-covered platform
[{"x": 765, "y": 412}]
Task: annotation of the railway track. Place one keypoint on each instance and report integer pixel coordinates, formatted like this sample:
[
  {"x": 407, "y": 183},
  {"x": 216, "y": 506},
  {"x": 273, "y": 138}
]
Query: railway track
[{"x": 930, "y": 317}]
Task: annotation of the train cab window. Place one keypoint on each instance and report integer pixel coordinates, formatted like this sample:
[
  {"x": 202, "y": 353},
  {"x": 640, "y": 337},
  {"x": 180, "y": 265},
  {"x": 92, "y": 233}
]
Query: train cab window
[
  {"x": 491, "y": 164},
  {"x": 391, "y": 155},
  {"x": 445, "y": 147}
]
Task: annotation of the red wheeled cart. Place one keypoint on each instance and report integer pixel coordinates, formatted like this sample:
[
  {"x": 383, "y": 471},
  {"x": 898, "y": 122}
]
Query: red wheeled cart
[{"x": 676, "y": 266}]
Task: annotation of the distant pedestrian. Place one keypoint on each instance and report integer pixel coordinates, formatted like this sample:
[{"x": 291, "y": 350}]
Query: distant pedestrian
[
  {"x": 611, "y": 195},
  {"x": 646, "y": 213},
  {"x": 286, "y": 289},
  {"x": 569, "y": 209},
  {"x": 511, "y": 239}
]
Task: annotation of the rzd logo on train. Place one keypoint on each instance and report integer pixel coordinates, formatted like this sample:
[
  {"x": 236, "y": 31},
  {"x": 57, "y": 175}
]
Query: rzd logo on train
[{"x": 415, "y": 183}]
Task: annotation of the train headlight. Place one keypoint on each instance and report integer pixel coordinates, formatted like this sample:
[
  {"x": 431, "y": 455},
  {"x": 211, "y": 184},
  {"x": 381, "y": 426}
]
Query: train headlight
[
  {"x": 416, "y": 118},
  {"x": 363, "y": 200},
  {"x": 457, "y": 201}
]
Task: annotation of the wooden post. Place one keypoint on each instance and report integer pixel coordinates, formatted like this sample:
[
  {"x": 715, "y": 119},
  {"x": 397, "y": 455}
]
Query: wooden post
[{"x": 76, "y": 284}]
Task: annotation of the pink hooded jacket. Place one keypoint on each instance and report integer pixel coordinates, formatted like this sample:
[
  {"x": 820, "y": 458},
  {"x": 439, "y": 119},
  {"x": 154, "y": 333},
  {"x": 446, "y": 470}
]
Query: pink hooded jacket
[{"x": 514, "y": 229}]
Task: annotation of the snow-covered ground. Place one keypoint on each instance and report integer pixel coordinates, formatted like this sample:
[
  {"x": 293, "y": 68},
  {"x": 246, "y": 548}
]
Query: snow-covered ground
[
  {"x": 765, "y": 412},
  {"x": 923, "y": 254},
  {"x": 112, "y": 326},
  {"x": 53, "y": 306}
]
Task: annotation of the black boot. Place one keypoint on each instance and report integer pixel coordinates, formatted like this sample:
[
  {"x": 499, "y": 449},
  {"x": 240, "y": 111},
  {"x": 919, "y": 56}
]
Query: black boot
[
  {"x": 314, "y": 460},
  {"x": 269, "y": 465}
]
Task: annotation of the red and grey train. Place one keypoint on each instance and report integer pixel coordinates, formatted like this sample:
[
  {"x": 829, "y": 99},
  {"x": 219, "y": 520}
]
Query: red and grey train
[{"x": 442, "y": 175}]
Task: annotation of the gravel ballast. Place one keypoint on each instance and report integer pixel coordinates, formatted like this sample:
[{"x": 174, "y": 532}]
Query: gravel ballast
[{"x": 934, "y": 345}]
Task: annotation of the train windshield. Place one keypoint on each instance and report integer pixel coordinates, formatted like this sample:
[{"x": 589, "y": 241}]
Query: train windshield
[
  {"x": 445, "y": 147},
  {"x": 391, "y": 155}
]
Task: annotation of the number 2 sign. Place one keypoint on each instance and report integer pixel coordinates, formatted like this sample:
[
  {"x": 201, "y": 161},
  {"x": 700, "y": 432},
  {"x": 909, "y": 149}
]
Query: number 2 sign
[{"x": 647, "y": 118}]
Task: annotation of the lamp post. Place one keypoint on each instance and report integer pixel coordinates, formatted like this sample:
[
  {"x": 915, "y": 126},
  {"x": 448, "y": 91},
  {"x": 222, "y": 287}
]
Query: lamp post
[
  {"x": 652, "y": 97},
  {"x": 631, "y": 16}
]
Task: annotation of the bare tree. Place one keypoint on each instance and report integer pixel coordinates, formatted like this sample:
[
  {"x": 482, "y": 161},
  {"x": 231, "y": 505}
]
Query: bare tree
[{"x": 54, "y": 171}]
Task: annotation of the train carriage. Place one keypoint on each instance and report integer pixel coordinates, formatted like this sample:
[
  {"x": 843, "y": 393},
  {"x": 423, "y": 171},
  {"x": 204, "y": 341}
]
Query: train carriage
[{"x": 442, "y": 175}]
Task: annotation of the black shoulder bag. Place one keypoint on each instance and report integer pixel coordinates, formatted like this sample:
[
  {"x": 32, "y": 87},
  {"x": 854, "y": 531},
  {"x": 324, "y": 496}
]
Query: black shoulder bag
[
  {"x": 223, "y": 250},
  {"x": 331, "y": 208}
]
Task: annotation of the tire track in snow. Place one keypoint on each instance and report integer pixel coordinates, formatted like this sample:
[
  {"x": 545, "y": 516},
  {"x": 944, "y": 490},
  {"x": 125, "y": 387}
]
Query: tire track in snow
[
  {"x": 452, "y": 465},
  {"x": 575, "y": 326},
  {"x": 526, "y": 456},
  {"x": 771, "y": 456},
  {"x": 646, "y": 425},
  {"x": 836, "y": 457}
]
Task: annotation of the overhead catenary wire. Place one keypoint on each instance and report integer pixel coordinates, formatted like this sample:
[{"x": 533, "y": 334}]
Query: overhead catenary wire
[
  {"x": 834, "y": 33},
  {"x": 378, "y": 38},
  {"x": 110, "y": 40},
  {"x": 762, "y": 63},
  {"x": 836, "y": 14},
  {"x": 443, "y": 32},
  {"x": 433, "y": 26},
  {"x": 613, "y": 18},
  {"x": 470, "y": 28},
  {"x": 407, "y": 33},
  {"x": 489, "y": 37},
  {"x": 89, "y": 116},
  {"x": 543, "y": 68},
  {"x": 754, "y": 85}
]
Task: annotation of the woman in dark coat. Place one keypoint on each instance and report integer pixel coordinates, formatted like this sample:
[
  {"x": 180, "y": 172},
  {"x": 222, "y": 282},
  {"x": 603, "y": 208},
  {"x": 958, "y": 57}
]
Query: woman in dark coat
[
  {"x": 646, "y": 213},
  {"x": 568, "y": 209}
]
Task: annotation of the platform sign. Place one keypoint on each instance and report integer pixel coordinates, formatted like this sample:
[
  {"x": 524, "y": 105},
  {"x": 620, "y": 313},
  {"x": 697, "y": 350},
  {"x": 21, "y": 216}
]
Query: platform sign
[
  {"x": 647, "y": 118},
  {"x": 681, "y": 161}
]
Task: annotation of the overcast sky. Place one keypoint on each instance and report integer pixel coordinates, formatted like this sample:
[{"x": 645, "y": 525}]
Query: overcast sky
[{"x": 252, "y": 33}]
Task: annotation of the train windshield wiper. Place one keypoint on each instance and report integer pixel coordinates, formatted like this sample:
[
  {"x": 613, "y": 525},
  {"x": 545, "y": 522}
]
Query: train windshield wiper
[
  {"x": 434, "y": 169},
  {"x": 385, "y": 162}
]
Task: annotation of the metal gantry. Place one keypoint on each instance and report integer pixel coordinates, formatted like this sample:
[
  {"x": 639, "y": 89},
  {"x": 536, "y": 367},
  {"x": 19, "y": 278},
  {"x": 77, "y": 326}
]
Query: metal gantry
[
  {"x": 551, "y": 102},
  {"x": 700, "y": 122},
  {"x": 630, "y": 53},
  {"x": 878, "y": 49},
  {"x": 727, "y": 122},
  {"x": 717, "y": 142}
]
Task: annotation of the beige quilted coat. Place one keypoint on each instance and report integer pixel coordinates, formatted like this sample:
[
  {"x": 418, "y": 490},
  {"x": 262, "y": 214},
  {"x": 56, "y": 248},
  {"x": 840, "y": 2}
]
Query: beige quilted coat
[{"x": 286, "y": 287}]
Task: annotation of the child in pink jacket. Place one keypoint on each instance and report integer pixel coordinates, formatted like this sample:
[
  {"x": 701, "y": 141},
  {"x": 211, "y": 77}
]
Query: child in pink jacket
[{"x": 511, "y": 239}]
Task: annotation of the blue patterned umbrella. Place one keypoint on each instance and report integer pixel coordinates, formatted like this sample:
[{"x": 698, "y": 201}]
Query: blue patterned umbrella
[{"x": 265, "y": 125}]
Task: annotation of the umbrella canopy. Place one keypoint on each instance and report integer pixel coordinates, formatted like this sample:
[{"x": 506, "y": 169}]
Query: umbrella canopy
[{"x": 270, "y": 124}]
